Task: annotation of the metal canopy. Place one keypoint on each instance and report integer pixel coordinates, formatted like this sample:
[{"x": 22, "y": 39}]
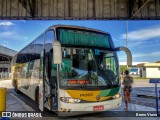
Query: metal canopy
[
  {"x": 80, "y": 9},
  {"x": 6, "y": 52}
]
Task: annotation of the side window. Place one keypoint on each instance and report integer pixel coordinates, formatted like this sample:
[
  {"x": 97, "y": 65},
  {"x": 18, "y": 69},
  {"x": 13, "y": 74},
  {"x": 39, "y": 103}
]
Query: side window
[
  {"x": 110, "y": 63},
  {"x": 49, "y": 38},
  {"x": 30, "y": 66},
  {"x": 14, "y": 59},
  {"x": 38, "y": 44}
]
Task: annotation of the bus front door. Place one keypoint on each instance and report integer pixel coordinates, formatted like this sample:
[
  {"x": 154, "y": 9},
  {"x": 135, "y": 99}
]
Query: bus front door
[
  {"x": 51, "y": 82},
  {"x": 41, "y": 83}
]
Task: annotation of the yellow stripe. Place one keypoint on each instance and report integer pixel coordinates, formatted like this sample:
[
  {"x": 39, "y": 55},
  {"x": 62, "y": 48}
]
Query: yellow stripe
[{"x": 87, "y": 95}]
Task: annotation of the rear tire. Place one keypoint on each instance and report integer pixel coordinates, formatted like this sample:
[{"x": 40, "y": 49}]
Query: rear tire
[{"x": 16, "y": 87}]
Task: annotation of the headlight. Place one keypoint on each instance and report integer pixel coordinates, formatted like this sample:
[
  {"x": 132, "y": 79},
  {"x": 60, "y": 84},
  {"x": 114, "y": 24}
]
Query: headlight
[
  {"x": 69, "y": 100},
  {"x": 117, "y": 96}
]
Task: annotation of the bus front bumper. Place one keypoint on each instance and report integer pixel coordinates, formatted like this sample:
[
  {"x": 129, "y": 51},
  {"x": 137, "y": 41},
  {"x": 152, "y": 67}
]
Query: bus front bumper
[{"x": 71, "y": 109}]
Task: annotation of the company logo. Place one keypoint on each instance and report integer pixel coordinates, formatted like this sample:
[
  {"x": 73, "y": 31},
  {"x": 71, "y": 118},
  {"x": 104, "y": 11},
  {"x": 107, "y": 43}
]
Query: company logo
[
  {"x": 21, "y": 115},
  {"x": 86, "y": 95},
  {"x": 6, "y": 114},
  {"x": 98, "y": 97}
]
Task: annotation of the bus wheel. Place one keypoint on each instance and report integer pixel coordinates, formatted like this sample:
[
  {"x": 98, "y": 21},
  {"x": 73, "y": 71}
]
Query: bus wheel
[
  {"x": 37, "y": 95},
  {"x": 16, "y": 87}
]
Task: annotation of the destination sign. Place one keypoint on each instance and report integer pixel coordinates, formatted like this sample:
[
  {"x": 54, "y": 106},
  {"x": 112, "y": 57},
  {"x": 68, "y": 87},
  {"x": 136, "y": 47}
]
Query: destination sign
[
  {"x": 78, "y": 82},
  {"x": 83, "y": 38}
]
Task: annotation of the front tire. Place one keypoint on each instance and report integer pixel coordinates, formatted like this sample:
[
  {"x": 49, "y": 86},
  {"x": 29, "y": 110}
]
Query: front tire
[{"x": 37, "y": 95}]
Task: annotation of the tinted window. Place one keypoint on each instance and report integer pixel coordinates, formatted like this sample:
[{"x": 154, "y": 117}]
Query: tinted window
[
  {"x": 32, "y": 51},
  {"x": 49, "y": 38},
  {"x": 83, "y": 38}
]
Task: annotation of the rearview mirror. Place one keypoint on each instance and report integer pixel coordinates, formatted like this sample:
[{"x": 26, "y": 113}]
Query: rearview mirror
[
  {"x": 128, "y": 53},
  {"x": 57, "y": 52}
]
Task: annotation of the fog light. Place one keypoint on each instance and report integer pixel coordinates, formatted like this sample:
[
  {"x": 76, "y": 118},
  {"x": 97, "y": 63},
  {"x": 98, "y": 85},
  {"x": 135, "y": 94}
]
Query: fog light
[{"x": 63, "y": 109}]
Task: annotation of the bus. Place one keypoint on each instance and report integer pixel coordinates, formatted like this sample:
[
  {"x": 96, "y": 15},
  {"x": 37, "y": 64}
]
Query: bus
[
  {"x": 70, "y": 70},
  {"x": 134, "y": 71}
]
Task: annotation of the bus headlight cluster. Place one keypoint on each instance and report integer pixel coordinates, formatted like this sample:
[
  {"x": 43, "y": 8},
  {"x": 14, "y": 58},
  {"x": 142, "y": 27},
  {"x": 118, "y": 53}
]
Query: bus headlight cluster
[
  {"x": 117, "y": 96},
  {"x": 69, "y": 100}
]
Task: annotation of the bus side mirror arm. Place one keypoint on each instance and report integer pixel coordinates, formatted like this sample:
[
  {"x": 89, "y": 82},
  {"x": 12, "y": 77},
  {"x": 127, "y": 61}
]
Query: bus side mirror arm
[
  {"x": 128, "y": 53},
  {"x": 57, "y": 52}
]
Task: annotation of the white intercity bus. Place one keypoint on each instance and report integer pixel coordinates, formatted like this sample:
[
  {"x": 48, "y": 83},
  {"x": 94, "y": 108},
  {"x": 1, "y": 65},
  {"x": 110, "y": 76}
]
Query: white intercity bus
[{"x": 70, "y": 70}]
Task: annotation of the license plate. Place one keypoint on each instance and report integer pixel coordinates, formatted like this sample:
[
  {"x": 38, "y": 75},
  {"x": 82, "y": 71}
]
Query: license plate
[{"x": 98, "y": 108}]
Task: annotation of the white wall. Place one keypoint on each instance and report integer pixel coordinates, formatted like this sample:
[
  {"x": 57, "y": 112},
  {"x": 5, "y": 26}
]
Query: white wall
[
  {"x": 133, "y": 63},
  {"x": 152, "y": 73}
]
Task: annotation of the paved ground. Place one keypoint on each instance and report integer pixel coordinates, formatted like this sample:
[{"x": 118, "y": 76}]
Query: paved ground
[
  {"x": 20, "y": 102},
  {"x": 146, "y": 88}
]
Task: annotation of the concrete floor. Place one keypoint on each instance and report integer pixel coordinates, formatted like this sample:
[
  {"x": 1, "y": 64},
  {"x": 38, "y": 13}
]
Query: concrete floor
[{"x": 16, "y": 104}]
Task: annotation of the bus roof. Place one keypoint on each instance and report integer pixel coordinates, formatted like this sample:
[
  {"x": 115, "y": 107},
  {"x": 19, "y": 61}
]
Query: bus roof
[
  {"x": 54, "y": 27},
  {"x": 77, "y": 27}
]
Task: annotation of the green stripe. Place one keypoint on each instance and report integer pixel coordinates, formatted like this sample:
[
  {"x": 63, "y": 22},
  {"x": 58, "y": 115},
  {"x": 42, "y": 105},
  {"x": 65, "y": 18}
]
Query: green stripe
[
  {"x": 109, "y": 92},
  {"x": 105, "y": 93},
  {"x": 114, "y": 91}
]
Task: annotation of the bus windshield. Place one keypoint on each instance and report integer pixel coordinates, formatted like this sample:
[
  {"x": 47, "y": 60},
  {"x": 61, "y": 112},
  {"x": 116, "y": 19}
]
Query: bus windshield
[{"x": 88, "y": 67}]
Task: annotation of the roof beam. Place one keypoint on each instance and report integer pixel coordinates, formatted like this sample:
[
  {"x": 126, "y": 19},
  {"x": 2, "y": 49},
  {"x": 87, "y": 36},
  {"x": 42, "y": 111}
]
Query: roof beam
[
  {"x": 32, "y": 5},
  {"x": 24, "y": 4},
  {"x": 140, "y": 6},
  {"x": 79, "y": 9},
  {"x": 131, "y": 5},
  {"x": 29, "y": 5}
]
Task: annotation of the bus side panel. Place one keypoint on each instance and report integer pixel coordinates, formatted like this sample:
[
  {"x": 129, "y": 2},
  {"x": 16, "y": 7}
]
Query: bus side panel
[
  {"x": 13, "y": 74},
  {"x": 17, "y": 75},
  {"x": 31, "y": 80},
  {"x": 24, "y": 78},
  {"x": 26, "y": 63},
  {"x": 34, "y": 79}
]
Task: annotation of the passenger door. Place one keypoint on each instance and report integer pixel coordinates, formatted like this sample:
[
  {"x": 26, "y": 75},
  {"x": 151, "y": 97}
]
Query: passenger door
[
  {"x": 50, "y": 73},
  {"x": 41, "y": 83}
]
